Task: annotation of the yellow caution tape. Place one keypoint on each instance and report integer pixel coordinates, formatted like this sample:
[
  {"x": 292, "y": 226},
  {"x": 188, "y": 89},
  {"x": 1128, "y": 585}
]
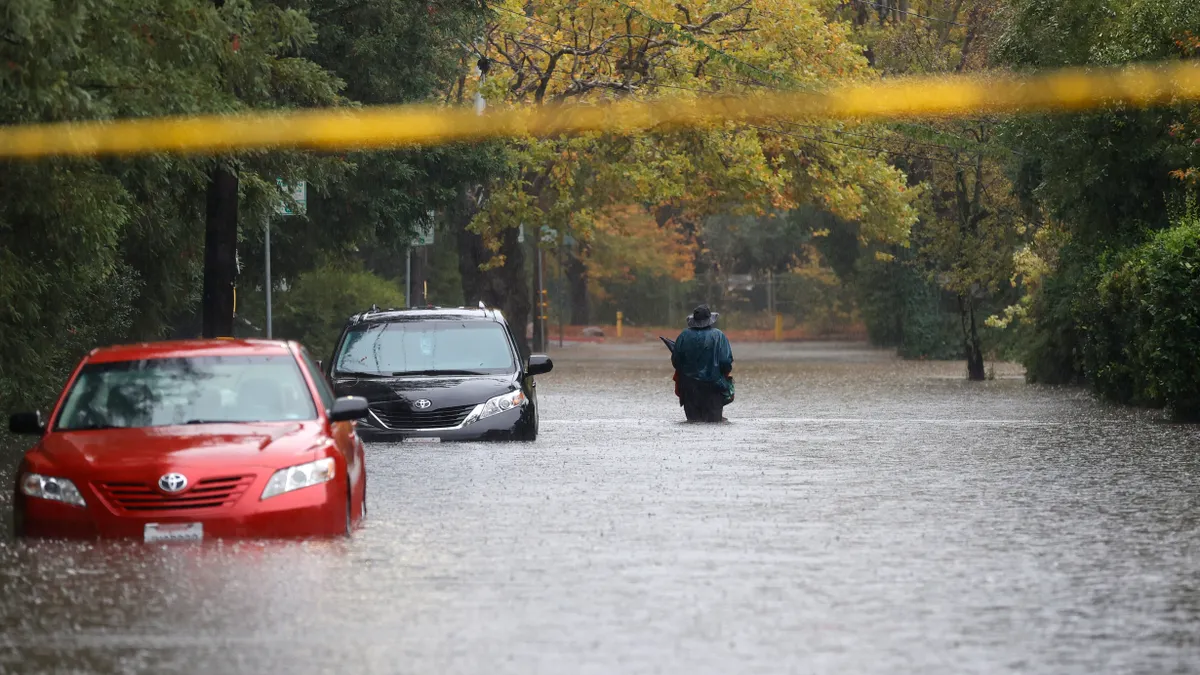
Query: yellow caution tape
[{"x": 389, "y": 127}]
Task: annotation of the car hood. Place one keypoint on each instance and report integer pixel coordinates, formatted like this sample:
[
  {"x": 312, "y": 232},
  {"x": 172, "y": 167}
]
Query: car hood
[
  {"x": 271, "y": 445},
  {"x": 442, "y": 392}
]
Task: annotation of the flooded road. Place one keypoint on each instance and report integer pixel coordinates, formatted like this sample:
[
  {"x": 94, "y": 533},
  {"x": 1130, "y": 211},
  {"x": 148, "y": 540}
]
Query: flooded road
[{"x": 857, "y": 515}]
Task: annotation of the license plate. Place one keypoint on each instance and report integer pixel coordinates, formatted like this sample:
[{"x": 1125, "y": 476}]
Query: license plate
[
  {"x": 172, "y": 532},
  {"x": 423, "y": 439}
]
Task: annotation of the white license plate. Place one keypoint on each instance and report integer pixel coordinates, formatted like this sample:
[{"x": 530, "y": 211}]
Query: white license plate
[
  {"x": 172, "y": 532},
  {"x": 431, "y": 439}
]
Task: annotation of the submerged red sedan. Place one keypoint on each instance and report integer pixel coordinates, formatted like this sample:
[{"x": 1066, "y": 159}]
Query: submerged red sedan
[{"x": 182, "y": 441}]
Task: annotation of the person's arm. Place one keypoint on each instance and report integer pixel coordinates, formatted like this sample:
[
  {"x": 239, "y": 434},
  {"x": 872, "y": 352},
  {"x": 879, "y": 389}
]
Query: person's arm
[
  {"x": 725, "y": 356},
  {"x": 675, "y": 352}
]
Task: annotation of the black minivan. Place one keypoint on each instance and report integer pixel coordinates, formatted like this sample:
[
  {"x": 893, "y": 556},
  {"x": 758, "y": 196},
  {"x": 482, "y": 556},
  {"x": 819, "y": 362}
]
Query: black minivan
[{"x": 437, "y": 374}]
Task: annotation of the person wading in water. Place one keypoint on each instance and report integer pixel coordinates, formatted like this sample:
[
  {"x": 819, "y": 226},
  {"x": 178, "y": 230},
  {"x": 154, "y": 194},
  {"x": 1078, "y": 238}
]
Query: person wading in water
[{"x": 703, "y": 361}]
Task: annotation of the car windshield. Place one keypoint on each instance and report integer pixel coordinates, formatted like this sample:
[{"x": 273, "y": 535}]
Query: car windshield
[
  {"x": 427, "y": 348},
  {"x": 197, "y": 390}
]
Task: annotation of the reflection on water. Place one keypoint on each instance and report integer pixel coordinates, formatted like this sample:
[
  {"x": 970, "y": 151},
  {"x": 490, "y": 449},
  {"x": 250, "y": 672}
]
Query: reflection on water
[{"x": 857, "y": 514}]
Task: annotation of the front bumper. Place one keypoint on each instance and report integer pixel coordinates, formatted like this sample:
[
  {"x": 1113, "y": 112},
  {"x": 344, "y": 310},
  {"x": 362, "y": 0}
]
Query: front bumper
[
  {"x": 316, "y": 511},
  {"x": 510, "y": 425}
]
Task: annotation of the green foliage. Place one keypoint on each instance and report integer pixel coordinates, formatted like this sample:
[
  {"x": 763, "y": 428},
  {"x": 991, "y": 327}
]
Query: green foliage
[
  {"x": 902, "y": 308},
  {"x": 1105, "y": 178},
  {"x": 314, "y": 310},
  {"x": 1142, "y": 339},
  {"x": 107, "y": 251},
  {"x": 97, "y": 251}
]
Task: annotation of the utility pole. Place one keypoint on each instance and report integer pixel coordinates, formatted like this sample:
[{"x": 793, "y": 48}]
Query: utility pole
[
  {"x": 423, "y": 275},
  {"x": 543, "y": 301},
  {"x": 408, "y": 277},
  {"x": 220, "y": 253},
  {"x": 562, "y": 310},
  {"x": 267, "y": 266},
  {"x": 540, "y": 305}
]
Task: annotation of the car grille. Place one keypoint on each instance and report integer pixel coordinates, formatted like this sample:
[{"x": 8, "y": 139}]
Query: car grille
[
  {"x": 442, "y": 418},
  {"x": 207, "y": 493}
]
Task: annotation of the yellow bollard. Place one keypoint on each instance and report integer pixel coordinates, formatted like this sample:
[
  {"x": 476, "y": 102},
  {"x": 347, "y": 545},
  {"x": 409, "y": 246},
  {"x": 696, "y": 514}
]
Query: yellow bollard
[
  {"x": 620, "y": 317},
  {"x": 779, "y": 328}
]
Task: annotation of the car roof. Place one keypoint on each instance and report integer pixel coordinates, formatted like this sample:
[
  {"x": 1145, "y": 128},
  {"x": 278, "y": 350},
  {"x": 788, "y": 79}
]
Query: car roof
[
  {"x": 429, "y": 314},
  {"x": 189, "y": 348}
]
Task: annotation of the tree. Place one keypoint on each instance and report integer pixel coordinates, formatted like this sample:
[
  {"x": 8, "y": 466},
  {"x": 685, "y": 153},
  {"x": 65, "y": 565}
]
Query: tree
[
  {"x": 627, "y": 241},
  {"x": 565, "y": 54},
  {"x": 126, "y": 233},
  {"x": 970, "y": 224},
  {"x": 967, "y": 238},
  {"x": 1105, "y": 179}
]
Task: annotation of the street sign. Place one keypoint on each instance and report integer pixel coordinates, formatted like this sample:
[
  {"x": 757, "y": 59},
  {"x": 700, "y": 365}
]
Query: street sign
[
  {"x": 424, "y": 235},
  {"x": 298, "y": 192}
]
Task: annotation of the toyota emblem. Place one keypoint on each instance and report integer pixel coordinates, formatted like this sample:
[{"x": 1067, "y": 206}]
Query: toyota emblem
[
  {"x": 172, "y": 482},
  {"x": 423, "y": 404}
]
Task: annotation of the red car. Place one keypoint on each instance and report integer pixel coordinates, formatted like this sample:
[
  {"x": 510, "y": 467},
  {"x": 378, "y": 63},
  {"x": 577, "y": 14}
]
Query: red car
[{"x": 190, "y": 440}]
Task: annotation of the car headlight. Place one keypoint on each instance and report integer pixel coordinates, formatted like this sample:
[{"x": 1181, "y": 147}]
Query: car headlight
[
  {"x": 54, "y": 489},
  {"x": 299, "y": 476},
  {"x": 499, "y": 404}
]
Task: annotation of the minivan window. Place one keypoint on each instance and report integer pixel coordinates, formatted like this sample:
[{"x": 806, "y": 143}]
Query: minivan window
[{"x": 425, "y": 348}]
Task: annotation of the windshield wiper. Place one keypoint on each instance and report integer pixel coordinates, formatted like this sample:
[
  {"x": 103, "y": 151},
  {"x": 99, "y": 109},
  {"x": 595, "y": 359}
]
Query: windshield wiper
[
  {"x": 214, "y": 421},
  {"x": 360, "y": 373},
  {"x": 439, "y": 372}
]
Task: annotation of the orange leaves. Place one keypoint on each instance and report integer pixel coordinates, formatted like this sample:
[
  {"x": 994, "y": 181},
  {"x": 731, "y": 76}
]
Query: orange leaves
[
  {"x": 1189, "y": 175},
  {"x": 1189, "y": 44},
  {"x": 628, "y": 241}
]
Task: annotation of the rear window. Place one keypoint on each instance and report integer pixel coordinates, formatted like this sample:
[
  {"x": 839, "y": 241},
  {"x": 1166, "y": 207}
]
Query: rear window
[
  {"x": 198, "y": 390},
  {"x": 426, "y": 348}
]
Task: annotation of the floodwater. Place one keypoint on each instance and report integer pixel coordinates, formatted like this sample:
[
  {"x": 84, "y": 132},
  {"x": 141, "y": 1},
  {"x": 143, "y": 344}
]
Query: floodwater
[{"x": 856, "y": 515}]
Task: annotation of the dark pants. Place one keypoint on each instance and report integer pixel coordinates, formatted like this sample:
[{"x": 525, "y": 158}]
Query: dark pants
[{"x": 702, "y": 401}]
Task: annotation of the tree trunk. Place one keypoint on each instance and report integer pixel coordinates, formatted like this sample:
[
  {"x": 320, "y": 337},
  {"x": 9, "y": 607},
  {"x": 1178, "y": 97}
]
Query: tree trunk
[
  {"x": 505, "y": 287},
  {"x": 220, "y": 253},
  {"x": 512, "y": 293},
  {"x": 971, "y": 343},
  {"x": 969, "y": 39},
  {"x": 471, "y": 251},
  {"x": 576, "y": 271}
]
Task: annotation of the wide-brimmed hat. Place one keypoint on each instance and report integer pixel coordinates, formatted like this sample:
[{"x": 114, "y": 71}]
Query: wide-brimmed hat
[{"x": 702, "y": 318}]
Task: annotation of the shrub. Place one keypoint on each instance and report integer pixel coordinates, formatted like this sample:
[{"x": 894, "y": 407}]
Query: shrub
[
  {"x": 314, "y": 310},
  {"x": 1142, "y": 341}
]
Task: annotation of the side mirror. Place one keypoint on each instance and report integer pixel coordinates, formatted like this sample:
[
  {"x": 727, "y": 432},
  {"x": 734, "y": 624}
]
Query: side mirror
[
  {"x": 26, "y": 423},
  {"x": 539, "y": 364},
  {"x": 348, "y": 408},
  {"x": 321, "y": 366}
]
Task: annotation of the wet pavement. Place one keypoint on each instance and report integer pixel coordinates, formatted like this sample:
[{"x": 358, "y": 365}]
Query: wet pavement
[{"x": 857, "y": 514}]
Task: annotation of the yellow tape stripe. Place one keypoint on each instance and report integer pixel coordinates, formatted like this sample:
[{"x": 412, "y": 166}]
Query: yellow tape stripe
[{"x": 384, "y": 127}]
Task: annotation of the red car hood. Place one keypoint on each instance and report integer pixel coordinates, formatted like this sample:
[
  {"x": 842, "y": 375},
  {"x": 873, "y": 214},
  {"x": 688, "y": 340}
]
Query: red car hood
[{"x": 272, "y": 445}]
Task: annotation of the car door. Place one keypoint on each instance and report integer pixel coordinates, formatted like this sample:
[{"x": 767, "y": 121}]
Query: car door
[
  {"x": 527, "y": 381},
  {"x": 344, "y": 435}
]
